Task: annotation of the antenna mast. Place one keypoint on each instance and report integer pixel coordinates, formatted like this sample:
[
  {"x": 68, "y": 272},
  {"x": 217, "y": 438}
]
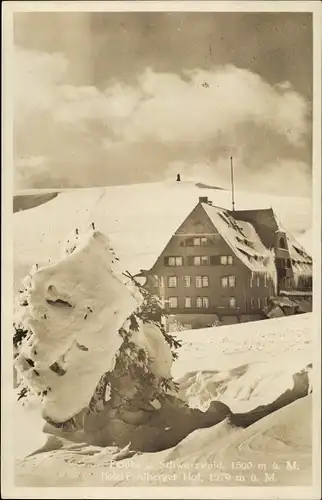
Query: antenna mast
[{"x": 232, "y": 183}]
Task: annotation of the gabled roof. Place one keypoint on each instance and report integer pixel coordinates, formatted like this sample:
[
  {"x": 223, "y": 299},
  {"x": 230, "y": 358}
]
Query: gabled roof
[{"x": 241, "y": 237}]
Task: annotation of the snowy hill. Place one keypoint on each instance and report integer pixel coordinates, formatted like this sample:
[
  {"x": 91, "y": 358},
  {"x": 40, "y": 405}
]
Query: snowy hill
[{"x": 139, "y": 219}]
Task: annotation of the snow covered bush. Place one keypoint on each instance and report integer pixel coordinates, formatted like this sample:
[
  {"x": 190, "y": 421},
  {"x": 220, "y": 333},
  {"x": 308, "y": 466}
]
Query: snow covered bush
[
  {"x": 176, "y": 326},
  {"x": 86, "y": 336}
]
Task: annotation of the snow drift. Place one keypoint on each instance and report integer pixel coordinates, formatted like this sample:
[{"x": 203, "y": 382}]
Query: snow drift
[{"x": 245, "y": 365}]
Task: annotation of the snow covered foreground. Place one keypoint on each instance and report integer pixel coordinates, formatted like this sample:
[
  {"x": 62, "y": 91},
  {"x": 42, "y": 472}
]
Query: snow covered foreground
[{"x": 245, "y": 366}]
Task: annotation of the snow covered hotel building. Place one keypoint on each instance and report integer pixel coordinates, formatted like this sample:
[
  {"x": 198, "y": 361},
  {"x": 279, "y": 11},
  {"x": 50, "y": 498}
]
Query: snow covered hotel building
[{"x": 223, "y": 267}]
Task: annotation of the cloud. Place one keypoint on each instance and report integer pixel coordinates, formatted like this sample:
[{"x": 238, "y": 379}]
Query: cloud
[{"x": 139, "y": 132}]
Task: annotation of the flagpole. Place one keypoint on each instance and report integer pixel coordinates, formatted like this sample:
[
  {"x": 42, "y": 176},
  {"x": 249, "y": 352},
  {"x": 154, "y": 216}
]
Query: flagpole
[{"x": 232, "y": 183}]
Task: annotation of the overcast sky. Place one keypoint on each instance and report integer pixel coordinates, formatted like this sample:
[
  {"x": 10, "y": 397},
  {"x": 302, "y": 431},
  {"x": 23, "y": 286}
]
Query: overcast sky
[{"x": 113, "y": 98}]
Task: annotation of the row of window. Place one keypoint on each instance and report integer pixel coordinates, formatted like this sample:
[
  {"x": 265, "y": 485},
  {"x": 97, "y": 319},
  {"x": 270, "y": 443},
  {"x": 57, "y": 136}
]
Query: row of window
[
  {"x": 203, "y": 302},
  {"x": 256, "y": 280},
  {"x": 203, "y": 281},
  {"x": 198, "y": 260},
  {"x": 258, "y": 302},
  {"x": 199, "y": 302},
  {"x": 200, "y": 281}
]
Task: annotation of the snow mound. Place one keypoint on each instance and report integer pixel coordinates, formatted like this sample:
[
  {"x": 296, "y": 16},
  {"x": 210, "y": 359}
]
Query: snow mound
[
  {"x": 244, "y": 365},
  {"x": 75, "y": 309},
  {"x": 246, "y": 387},
  {"x": 204, "y": 458}
]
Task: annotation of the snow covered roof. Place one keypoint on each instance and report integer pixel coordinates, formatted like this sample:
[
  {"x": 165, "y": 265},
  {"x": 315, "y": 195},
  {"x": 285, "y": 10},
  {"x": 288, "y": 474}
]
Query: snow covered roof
[
  {"x": 297, "y": 252},
  {"x": 242, "y": 238},
  {"x": 296, "y": 293}
]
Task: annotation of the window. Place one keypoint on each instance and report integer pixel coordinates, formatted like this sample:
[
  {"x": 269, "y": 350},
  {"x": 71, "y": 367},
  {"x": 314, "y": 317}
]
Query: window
[
  {"x": 187, "y": 281},
  {"x": 228, "y": 281},
  {"x": 224, "y": 281},
  {"x": 265, "y": 280},
  {"x": 205, "y": 281},
  {"x": 265, "y": 302},
  {"x": 205, "y": 302},
  {"x": 202, "y": 281},
  {"x": 172, "y": 281},
  {"x": 252, "y": 303},
  {"x": 226, "y": 260},
  {"x": 197, "y": 261},
  {"x": 251, "y": 281},
  {"x": 281, "y": 243},
  {"x": 201, "y": 260},
  {"x": 257, "y": 281},
  {"x": 197, "y": 241},
  {"x": 198, "y": 281},
  {"x": 199, "y": 302},
  {"x": 188, "y": 302},
  {"x": 231, "y": 281},
  {"x": 173, "y": 302},
  {"x": 202, "y": 302},
  {"x": 259, "y": 303},
  {"x": 173, "y": 261},
  {"x": 232, "y": 302}
]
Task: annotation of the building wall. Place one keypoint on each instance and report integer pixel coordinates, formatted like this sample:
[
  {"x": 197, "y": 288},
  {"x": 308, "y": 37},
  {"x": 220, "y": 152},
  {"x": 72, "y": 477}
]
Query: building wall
[{"x": 219, "y": 298}]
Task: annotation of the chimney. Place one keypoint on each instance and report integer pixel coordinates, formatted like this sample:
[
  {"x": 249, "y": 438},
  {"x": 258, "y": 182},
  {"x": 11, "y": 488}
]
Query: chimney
[{"x": 203, "y": 199}]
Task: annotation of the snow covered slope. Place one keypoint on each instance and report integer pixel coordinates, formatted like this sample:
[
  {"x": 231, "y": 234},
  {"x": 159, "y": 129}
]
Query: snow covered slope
[{"x": 139, "y": 219}]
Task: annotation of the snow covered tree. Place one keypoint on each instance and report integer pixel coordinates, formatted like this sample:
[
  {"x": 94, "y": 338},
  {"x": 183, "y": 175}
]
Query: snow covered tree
[
  {"x": 133, "y": 359},
  {"x": 118, "y": 327}
]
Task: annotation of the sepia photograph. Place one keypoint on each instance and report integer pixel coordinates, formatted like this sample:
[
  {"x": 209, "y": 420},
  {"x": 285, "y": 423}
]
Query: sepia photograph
[{"x": 161, "y": 249}]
